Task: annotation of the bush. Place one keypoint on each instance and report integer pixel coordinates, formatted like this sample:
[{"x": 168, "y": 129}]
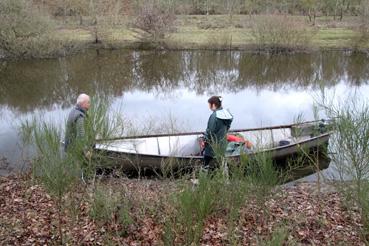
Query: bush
[
  {"x": 350, "y": 152},
  {"x": 56, "y": 171},
  {"x": 106, "y": 204},
  {"x": 224, "y": 190},
  {"x": 280, "y": 33},
  {"x": 154, "y": 21},
  {"x": 193, "y": 206},
  {"x": 24, "y": 30},
  {"x": 60, "y": 172}
]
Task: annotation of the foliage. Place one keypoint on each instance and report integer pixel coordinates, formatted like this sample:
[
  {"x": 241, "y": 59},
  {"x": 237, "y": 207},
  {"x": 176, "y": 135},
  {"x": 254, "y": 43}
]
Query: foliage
[
  {"x": 207, "y": 7},
  {"x": 106, "y": 205},
  {"x": 224, "y": 190},
  {"x": 154, "y": 21},
  {"x": 262, "y": 174},
  {"x": 278, "y": 237},
  {"x": 278, "y": 33},
  {"x": 193, "y": 206},
  {"x": 55, "y": 170},
  {"x": 25, "y": 30},
  {"x": 350, "y": 147},
  {"x": 60, "y": 171}
]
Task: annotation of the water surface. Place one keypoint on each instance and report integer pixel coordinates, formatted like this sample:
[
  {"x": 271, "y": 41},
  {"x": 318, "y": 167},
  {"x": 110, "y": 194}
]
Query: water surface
[{"x": 259, "y": 90}]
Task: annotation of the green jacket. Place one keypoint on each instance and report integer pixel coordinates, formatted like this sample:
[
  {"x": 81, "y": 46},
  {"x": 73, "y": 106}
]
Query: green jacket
[
  {"x": 218, "y": 125},
  {"x": 75, "y": 127}
]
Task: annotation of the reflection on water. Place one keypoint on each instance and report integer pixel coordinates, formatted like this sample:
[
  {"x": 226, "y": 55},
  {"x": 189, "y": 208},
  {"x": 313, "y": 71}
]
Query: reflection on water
[{"x": 259, "y": 89}]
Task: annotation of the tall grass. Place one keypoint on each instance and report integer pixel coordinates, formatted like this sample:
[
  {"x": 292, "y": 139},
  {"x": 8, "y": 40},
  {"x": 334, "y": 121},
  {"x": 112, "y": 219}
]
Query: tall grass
[
  {"x": 54, "y": 170},
  {"x": 217, "y": 193},
  {"x": 350, "y": 150},
  {"x": 193, "y": 206},
  {"x": 278, "y": 237},
  {"x": 263, "y": 178},
  {"x": 60, "y": 171},
  {"x": 107, "y": 204}
]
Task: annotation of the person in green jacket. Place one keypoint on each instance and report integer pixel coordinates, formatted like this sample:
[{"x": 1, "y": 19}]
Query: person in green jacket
[{"x": 215, "y": 137}]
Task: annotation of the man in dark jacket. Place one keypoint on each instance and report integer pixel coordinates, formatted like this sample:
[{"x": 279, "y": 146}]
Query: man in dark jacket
[
  {"x": 218, "y": 125},
  {"x": 75, "y": 129}
]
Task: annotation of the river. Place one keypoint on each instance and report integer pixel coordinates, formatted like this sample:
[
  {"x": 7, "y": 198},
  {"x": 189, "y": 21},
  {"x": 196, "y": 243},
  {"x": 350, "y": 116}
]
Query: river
[{"x": 162, "y": 86}]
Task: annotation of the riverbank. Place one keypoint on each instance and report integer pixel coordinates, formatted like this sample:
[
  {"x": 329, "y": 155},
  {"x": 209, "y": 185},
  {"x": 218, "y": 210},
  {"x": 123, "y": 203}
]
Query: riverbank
[
  {"x": 201, "y": 32},
  {"x": 297, "y": 215},
  {"x": 217, "y": 32}
]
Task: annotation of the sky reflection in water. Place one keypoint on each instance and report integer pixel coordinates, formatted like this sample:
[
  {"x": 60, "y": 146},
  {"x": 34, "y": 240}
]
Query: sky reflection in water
[{"x": 258, "y": 90}]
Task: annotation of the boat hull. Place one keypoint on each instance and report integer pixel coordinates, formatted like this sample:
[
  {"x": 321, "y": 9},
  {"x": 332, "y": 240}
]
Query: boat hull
[{"x": 299, "y": 160}]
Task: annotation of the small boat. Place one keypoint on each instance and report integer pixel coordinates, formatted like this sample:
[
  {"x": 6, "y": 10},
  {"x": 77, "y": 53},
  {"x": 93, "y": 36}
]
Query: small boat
[{"x": 285, "y": 144}]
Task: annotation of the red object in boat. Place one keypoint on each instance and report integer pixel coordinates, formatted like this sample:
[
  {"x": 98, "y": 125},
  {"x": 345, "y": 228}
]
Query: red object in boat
[
  {"x": 234, "y": 138},
  {"x": 238, "y": 139}
]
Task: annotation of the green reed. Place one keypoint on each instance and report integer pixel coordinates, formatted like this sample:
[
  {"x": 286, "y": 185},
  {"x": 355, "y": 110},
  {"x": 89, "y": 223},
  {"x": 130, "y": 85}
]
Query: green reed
[
  {"x": 226, "y": 189},
  {"x": 60, "y": 171},
  {"x": 349, "y": 147}
]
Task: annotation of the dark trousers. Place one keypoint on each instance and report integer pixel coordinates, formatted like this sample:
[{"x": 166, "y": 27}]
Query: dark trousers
[{"x": 209, "y": 163}]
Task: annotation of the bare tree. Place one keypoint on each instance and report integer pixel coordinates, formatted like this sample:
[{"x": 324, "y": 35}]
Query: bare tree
[{"x": 154, "y": 21}]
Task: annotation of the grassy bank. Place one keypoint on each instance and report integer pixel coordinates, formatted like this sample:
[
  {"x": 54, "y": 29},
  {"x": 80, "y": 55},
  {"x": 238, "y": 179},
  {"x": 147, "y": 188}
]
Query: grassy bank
[
  {"x": 193, "y": 32},
  {"x": 213, "y": 32}
]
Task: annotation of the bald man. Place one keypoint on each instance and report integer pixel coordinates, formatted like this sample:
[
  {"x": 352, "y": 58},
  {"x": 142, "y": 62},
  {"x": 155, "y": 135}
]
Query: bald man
[{"x": 76, "y": 121}]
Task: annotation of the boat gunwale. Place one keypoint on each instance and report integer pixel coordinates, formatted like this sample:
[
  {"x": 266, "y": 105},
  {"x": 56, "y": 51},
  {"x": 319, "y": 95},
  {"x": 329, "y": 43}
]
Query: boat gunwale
[
  {"x": 200, "y": 133},
  {"x": 278, "y": 148}
]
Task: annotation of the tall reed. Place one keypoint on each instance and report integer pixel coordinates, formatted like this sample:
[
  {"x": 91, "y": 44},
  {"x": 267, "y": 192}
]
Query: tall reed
[
  {"x": 350, "y": 150},
  {"x": 60, "y": 171},
  {"x": 227, "y": 188}
]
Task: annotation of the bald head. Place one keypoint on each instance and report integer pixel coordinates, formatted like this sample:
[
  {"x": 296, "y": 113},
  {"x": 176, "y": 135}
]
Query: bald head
[{"x": 83, "y": 101}]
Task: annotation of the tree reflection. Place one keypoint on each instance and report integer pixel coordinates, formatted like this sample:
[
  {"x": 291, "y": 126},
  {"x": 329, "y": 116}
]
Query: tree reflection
[{"x": 26, "y": 85}]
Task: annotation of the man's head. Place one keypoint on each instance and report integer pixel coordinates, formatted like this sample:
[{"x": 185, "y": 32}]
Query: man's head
[{"x": 83, "y": 101}]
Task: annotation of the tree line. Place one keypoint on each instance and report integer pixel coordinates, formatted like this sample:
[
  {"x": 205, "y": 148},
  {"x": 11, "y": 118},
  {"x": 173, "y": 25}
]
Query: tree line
[{"x": 312, "y": 8}]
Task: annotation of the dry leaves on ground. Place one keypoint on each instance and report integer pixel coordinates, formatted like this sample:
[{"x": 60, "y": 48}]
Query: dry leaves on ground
[{"x": 28, "y": 216}]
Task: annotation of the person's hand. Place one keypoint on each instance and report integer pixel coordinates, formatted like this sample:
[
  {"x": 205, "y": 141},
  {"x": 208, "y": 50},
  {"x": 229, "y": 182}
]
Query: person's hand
[
  {"x": 202, "y": 142},
  {"x": 88, "y": 155},
  {"x": 248, "y": 144}
]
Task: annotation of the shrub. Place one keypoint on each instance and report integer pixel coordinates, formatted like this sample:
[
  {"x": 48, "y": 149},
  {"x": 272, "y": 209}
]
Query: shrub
[
  {"x": 109, "y": 206},
  {"x": 24, "y": 30},
  {"x": 225, "y": 190},
  {"x": 263, "y": 178},
  {"x": 56, "y": 171},
  {"x": 154, "y": 21},
  {"x": 350, "y": 151},
  {"x": 192, "y": 208},
  {"x": 279, "y": 237},
  {"x": 280, "y": 33}
]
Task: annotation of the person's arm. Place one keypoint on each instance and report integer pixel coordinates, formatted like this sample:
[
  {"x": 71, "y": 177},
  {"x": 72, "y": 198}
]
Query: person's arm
[
  {"x": 211, "y": 129},
  {"x": 80, "y": 127}
]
